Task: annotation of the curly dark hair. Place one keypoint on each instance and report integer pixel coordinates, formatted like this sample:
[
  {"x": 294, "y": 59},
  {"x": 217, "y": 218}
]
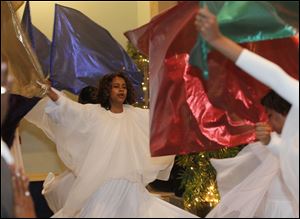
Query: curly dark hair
[
  {"x": 273, "y": 101},
  {"x": 88, "y": 94},
  {"x": 104, "y": 89}
]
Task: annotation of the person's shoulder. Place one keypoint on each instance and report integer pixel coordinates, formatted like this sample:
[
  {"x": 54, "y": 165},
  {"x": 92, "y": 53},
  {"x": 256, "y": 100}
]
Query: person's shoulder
[
  {"x": 135, "y": 109},
  {"x": 136, "y": 112},
  {"x": 92, "y": 105},
  {"x": 95, "y": 111},
  {"x": 94, "y": 108}
]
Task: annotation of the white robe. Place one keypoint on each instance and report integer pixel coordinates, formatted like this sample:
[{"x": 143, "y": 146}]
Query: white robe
[{"x": 110, "y": 156}]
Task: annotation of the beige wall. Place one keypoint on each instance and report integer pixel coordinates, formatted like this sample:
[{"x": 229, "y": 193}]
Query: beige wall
[
  {"x": 157, "y": 7},
  {"x": 143, "y": 12}
]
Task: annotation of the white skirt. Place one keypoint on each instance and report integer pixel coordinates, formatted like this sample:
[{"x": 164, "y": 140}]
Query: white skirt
[
  {"x": 251, "y": 185},
  {"x": 121, "y": 198}
]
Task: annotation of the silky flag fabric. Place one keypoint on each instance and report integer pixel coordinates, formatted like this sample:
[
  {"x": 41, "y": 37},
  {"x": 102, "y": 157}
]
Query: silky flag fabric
[
  {"x": 39, "y": 42},
  {"x": 288, "y": 11},
  {"x": 243, "y": 21},
  {"x": 82, "y": 52},
  {"x": 166, "y": 40},
  {"x": 19, "y": 106},
  {"x": 187, "y": 113},
  {"x": 17, "y": 52}
]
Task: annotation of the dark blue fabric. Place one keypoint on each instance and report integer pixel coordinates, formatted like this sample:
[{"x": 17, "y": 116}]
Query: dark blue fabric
[
  {"x": 82, "y": 52},
  {"x": 19, "y": 106}
]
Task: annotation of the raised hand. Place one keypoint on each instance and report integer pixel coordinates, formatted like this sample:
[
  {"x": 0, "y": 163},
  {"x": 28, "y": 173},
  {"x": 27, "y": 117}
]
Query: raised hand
[
  {"x": 207, "y": 24},
  {"x": 47, "y": 90},
  {"x": 263, "y": 132},
  {"x": 23, "y": 204}
]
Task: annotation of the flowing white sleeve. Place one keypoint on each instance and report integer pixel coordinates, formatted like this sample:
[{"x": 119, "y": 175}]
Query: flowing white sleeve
[
  {"x": 38, "y": 117},
  {"x": 69, "y": 114},
  {"x": 243, "y": 181},
  {"x": 289, "y": 152},
  {"x": 67, "y": 124},
  {"x": 271, "y": 75}
]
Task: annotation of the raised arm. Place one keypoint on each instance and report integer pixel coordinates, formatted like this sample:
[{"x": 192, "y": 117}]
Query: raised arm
[
  {"x": 63, "y": 111},
  {"x": 207, "y": 24},
  {"x": 68, "y": 124},
  {"x": 258, "y": 67}
]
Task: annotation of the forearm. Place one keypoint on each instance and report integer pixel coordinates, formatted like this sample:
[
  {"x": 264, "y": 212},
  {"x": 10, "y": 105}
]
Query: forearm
[
  {"x": 227, "y": 47},
  {"x": 68, "y": 113}
]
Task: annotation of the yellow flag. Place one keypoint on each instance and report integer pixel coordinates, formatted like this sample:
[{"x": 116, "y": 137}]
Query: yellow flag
[
  {"x": 17, "y": 4},
  {"x": 18, "y": 53}
]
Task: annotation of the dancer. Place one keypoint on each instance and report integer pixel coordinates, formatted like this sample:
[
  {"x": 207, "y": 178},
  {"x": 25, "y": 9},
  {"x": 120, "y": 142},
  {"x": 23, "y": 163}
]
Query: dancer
[
  {"x": 253, "y": 177},
  {"x": 240, "y": 201},
  {"x": 107, "y": 148}
]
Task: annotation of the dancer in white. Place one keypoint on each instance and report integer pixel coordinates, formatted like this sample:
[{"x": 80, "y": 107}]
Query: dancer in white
[
  {"x": 249, "y": 193},
  {"x": 107, "y": 148},
  {"x": 253, "y": 177}
]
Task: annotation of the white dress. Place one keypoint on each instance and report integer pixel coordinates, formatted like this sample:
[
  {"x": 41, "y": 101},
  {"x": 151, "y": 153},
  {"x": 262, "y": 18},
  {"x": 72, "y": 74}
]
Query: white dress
[
  {"x": 263, "y": 181},
  {"x": 251, "y": 185},
  {"x": 110, "y": 157}
]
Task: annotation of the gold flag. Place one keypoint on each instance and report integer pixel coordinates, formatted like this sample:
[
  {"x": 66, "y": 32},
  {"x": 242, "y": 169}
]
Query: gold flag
[
  {"x": 18, "y": 53},
  {"x": 17, "y": 4}
]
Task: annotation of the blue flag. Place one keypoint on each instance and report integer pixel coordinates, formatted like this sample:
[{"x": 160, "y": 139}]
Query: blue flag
[
  {"x": 39, "y": 42},
  {"x": 82, "y": 52}
]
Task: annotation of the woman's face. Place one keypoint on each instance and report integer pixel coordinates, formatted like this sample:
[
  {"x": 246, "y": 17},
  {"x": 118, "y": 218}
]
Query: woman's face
[
  {"x": 276, "y": 120},
  {"x": 118, "y": 91}
]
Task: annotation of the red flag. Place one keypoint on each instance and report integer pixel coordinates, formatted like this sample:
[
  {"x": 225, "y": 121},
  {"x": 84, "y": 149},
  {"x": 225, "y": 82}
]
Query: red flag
[{"x": 189, "y": 114}]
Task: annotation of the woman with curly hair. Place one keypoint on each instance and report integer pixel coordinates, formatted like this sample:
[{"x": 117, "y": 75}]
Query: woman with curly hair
[
  {"x": 107, "y": 149},
  {"x": 109, "y": 92}
]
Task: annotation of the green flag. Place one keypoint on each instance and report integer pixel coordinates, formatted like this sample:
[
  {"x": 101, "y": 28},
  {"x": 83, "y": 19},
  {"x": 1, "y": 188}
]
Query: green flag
[{"x": 245, "y": 21}]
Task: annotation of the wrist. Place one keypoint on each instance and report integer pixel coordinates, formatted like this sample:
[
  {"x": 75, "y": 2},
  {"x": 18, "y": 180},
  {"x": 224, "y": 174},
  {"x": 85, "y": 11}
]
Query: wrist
[
  {"x": 217, "y": 40},
  {"x": 52, "y": 95}
]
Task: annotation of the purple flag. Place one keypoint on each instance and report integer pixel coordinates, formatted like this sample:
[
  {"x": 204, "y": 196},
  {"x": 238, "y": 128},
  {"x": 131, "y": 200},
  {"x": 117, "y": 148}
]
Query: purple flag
[{"x": 82, "y": 52}]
